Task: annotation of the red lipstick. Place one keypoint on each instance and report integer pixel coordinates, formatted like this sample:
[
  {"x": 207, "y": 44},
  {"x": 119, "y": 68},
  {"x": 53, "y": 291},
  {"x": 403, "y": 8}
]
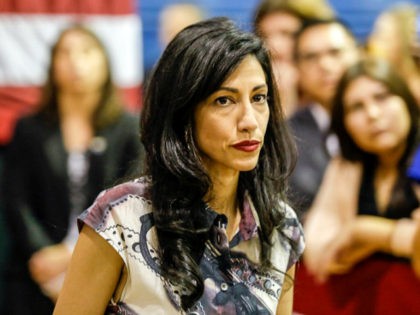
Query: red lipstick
[{"x": 247, "y": 145}]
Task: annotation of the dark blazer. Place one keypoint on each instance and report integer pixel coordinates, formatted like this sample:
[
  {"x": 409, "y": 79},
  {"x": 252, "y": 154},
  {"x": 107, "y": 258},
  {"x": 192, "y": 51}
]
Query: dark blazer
[
  {"x": 312, "y": 159},
  {"x": 36, "y": 196},
  {"x": 36, "y": 193}
]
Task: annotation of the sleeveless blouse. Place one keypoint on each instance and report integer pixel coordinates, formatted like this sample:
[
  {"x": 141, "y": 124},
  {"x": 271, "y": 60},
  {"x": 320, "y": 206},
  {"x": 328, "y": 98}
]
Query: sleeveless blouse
[
  {"x": 123, "y": 217},
  {"x": 367, "y": 202}
]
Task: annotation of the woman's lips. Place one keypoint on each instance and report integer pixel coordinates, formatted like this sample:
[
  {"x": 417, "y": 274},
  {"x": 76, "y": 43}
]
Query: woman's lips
[{"x": 247, "y": 146}]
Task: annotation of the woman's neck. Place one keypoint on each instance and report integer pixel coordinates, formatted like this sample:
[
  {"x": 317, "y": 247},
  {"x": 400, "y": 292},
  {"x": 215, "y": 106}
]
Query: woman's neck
[
  {"x": 76, "y": 112},
  {"x": 386, "y": 175},
  {"x": 82, "y": 104},
  {"x": 391, "y": 159},
  {"x": 384, "y": 182},
  {"x": 223, "y": 199},
  {"x": 223, "y": 196}
]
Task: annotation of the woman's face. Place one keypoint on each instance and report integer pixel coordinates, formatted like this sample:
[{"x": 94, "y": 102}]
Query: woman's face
[
  {"x": 377, "y": 121},
  {"x": 230, "y": 124},
  {"x": 79, "y": 64}
]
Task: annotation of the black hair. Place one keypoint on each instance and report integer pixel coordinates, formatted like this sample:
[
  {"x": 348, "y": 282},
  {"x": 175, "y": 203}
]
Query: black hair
[{"x": 193, "y": 66}]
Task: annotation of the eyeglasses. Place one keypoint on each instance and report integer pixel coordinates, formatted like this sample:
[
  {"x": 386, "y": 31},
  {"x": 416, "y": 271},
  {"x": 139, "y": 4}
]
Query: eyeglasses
[{"x": 313, "y": 58}]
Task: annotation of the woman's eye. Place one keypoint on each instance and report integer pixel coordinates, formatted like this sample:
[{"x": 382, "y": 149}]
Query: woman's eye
[
  {"x": 355, "y": 107},
  {"x": 259, "y": 98},
  {"x": 382, "y": 96},
  {"x": 223, "y": 101}
]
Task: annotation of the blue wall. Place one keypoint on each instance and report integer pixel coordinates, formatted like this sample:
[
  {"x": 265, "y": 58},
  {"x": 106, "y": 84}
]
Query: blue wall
[{"x": 359, "y": 14}]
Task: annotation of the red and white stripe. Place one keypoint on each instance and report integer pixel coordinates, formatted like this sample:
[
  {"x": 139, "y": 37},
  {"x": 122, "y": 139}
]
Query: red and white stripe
[{"x": 28, "y": 28}]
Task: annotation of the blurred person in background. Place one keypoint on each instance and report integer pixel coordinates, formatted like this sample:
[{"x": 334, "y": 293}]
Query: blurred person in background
[
  {"x": 79, "y": 142},
  {"x": 175, "y": 17},
  {"x": 277, "y": 22},
  {"x": 395, "y": 38},
  {"x": 365, "y": 206},
  {"x": 172, "y": 19},
  {"x": 323, "y": 51}
]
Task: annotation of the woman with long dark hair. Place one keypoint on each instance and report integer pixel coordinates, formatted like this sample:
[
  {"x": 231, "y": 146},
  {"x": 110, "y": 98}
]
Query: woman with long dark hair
[
  {"x": 207, "y": 229},
  {"x": 367, "y": 200}
]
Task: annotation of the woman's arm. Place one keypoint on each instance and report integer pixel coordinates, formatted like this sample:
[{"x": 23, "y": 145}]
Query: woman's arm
[
  {"x": 327, "y": 227},
  {"x": 366, "y": 235},
  {"x": 285, "y": 305},
  {"x": 370, "y": 234},
  {"x": 92, "y": 277},
  {"x": 390, "y": 236}
]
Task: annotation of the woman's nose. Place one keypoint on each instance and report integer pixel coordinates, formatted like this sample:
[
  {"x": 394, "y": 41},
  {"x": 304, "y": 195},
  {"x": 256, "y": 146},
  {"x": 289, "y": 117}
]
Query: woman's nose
[
  {"x": 372, "y": 110},
  {"x": 247, "y": 119}
]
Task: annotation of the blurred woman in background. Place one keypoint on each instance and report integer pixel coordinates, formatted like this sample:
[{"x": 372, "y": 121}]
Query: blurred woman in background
[
  {"x": 366, "y": 194},
  {"x": 79, "y": 142},
  {"x": 395, "y": 38},
  {"x": 360, "y": 231}
]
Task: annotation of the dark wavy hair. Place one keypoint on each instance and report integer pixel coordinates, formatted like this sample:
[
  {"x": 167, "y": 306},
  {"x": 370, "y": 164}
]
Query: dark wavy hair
[
  {"x": 381, "y": 71},
  {"x": 110, "y": 105},
  {"x": 193, "y": 66}
]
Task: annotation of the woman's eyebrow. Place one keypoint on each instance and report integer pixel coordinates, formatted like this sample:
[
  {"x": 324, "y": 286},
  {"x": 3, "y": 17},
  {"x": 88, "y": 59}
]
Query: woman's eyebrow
[
  {"x": 229, "y": 89},
  {"x": 234, "y": 90}
]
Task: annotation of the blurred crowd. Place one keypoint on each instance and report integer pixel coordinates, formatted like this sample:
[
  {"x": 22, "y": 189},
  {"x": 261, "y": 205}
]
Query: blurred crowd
[{"x": 353, "y": 108}]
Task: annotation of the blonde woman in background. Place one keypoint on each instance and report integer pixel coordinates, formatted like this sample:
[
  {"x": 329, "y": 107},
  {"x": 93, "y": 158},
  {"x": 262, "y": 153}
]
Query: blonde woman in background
[{"x": 394, "y": 38}]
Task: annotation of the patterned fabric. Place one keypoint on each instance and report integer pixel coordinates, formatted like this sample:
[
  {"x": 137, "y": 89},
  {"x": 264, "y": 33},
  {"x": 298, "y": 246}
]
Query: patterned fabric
[{"x": 233, "y": 282}]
